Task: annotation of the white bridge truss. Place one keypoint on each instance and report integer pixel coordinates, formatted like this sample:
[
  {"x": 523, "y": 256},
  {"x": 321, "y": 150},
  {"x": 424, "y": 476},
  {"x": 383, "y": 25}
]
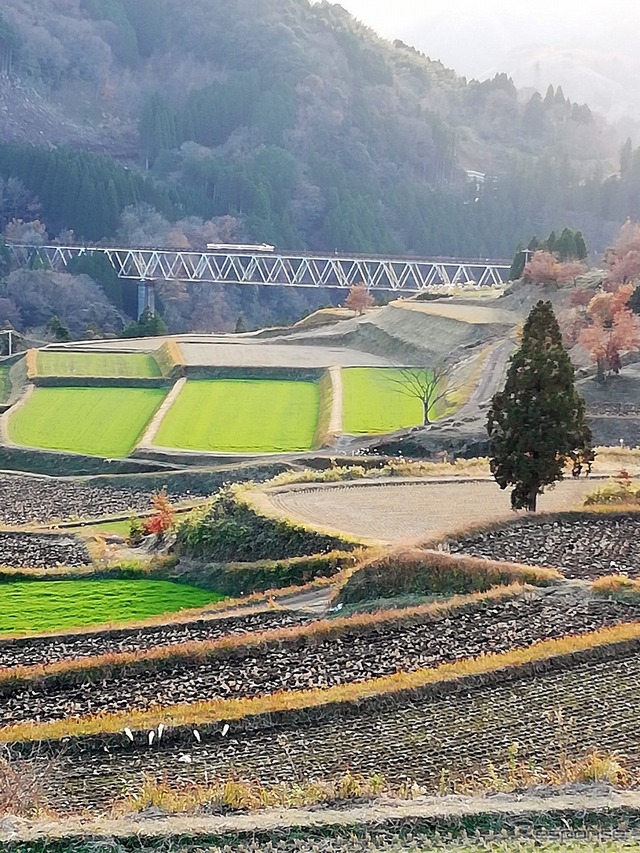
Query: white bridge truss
[{"x": 412, "y": 275}]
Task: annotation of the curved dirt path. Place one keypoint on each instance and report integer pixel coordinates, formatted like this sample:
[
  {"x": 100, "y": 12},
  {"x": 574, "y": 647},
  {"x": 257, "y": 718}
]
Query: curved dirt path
[
  {"x": 377, "y": 815},
  {"x": 404, "y": 511},
  {"x": 493, "y": 373}
]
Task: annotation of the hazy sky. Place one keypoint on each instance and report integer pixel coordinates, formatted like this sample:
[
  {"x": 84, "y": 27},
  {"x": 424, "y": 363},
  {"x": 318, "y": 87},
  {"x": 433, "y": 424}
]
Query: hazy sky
[{"x": 469, "y": 35}]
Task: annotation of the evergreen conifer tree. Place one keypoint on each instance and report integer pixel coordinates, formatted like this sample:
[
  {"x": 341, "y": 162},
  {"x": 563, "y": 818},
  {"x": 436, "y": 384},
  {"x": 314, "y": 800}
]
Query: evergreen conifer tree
[
  {"x": 518, "y": 264},
  {"x": 538, "y": 421}
]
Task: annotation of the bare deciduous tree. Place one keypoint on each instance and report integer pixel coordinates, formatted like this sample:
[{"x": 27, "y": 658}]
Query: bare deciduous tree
[{"x": 430, "y": 385}]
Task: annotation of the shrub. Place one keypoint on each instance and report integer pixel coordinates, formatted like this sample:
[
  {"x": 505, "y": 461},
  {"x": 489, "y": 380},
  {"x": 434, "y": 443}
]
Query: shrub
[
  {"x": 618, "y": 491},
  {"x": 230, "y": 530},
  {"x": 434, "y": 573},
  {"x": 394, "y": 468},
  {"x": 236, "y": 579},
  {"x": 163, "y": 516}
]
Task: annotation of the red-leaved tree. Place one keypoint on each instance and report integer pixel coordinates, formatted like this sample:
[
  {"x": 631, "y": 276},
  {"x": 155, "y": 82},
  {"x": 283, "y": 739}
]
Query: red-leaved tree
[
  {"x": 545, "y": 268},
  {"x": 163, "y": 517},
  {"x": 623, "y": 258},
  {"x": 608, "y": 339}
]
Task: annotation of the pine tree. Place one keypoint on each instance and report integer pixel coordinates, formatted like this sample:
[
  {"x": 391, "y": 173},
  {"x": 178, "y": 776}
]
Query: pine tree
[
  {"x": 538, "y": 421},
  {"x": 518, "y": 264},
  {"x": 581, "y": 246}
]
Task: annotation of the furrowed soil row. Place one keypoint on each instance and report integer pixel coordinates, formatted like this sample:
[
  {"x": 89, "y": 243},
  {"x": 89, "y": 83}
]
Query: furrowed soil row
[
  {"x": 591, "y": 705},
  {"x": 582, "y": 548},
  {"x": 39, "y": 499},
  {"x": 29, "y": 551},
  {"x": 313, "y": 663},
  {"x": 40, "y": 650}
]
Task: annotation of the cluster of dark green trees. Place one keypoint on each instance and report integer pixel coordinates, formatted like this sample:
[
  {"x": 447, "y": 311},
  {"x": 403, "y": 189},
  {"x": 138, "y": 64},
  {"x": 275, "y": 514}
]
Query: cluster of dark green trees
[
  {"x": 569, "y": 246},
  {"x": 83, "y": 192}
]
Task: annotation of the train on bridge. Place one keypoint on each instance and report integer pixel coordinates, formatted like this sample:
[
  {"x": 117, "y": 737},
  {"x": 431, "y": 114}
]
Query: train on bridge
[{"x": 262, "y": 265}]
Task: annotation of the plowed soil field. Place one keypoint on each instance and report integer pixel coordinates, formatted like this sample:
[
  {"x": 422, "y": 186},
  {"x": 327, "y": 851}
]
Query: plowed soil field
[{"x": 404, "y": 512}]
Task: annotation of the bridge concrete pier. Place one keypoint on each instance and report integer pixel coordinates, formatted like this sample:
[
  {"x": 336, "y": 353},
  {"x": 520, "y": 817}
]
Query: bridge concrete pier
[{"x": 146, "y": 297}]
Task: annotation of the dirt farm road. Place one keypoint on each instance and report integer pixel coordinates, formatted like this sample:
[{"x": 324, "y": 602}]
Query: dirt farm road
[{"x": 407, "y": 511}]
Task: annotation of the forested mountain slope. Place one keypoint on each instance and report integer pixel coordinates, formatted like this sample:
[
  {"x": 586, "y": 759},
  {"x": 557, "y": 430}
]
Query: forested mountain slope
[{"x": 295, "y": 123}]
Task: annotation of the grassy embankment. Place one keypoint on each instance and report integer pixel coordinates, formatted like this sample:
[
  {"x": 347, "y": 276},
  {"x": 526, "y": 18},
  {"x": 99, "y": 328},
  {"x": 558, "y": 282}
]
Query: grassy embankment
[
  {"x": 242, "y": 416},
  {"x": 95, "y": 421},
  {"x": 52, "y": 605}
]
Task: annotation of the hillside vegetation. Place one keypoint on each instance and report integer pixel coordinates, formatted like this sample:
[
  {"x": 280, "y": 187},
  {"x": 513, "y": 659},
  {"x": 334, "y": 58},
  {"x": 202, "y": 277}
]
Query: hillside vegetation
[
  {"x": 167, "y": 123},
  {"x": 300, "y": 124}
]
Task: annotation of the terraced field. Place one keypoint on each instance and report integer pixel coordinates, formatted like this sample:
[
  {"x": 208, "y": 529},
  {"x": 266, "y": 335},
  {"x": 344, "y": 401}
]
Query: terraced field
[
  {"x": 459, "y": 733},
  {"x": 348, "y": 657},
  {"x": 56, "y": 605},
  {"x": 374, "y": 402},
  {"x": 29, "y": 499},
  {"x": 403, "y": 512},
  {"x": 33, "y": 551},
  {"x": 583, "y": 548},
  {"x": 242, "y": 416},
  {"x": 97, "y": 364},
  {"x": 93, "y": 421},
  {"x": 435, "y": 729},
  {"x": 42, "y": 650}
]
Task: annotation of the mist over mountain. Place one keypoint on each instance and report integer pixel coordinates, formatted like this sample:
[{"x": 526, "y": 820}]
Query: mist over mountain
[{"x": 588, "y": 48}]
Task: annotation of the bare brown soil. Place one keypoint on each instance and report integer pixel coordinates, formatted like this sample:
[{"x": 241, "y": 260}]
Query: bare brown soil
[
  {"x": 354, "y": 655},
  {"x": 590, "y": 705},
  {"x": 405, "y": 512},
  {"x": 582, "y": 548}
]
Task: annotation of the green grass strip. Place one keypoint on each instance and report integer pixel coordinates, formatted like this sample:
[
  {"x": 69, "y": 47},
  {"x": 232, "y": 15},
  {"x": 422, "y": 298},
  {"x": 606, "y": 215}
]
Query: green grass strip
[
  {"x": 98, "y": 364},
  {"x": 242, "y": 416},
  {"x": 50, "y": 605},
  {"x": 94, "y": 421}
]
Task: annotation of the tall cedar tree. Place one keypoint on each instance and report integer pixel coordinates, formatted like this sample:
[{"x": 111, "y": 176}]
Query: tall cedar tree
[{"x": 538, "y": 420}]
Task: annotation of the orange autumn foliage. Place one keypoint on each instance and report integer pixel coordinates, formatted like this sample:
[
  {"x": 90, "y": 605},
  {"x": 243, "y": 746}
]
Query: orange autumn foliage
[{"x": 162, "y": 520}]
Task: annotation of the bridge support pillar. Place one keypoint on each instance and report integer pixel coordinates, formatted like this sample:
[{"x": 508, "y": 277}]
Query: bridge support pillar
[{"x": 146, "y": 297}]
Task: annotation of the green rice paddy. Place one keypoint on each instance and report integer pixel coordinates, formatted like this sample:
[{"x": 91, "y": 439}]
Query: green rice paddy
[
  {"x": 94, "y": 421},
  {"x": 374, "y": 403},
  {"x": 242, "y": 416},
  {"x": 28, "y": 606},
  {"x": 98, "y": 364}
]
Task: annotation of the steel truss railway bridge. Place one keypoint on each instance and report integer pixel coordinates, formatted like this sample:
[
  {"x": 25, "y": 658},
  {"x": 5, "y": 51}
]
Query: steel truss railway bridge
[{"x": 342, "y": 271}]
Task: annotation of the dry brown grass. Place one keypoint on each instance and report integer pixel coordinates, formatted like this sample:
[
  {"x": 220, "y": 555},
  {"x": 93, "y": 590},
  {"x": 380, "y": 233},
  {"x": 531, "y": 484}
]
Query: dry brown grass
[
  {"x": 516, "y": 774},
  {"x": 31, "y": 362},
  {"x": 232, "y": 794},
  {"x": 218, "y": 710},
  {"x": 416, "y": 571},
  {"x": 616, "y": 585},
  {"x": 20, "y": 788},
  {"x": 311, "y": 633}
]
